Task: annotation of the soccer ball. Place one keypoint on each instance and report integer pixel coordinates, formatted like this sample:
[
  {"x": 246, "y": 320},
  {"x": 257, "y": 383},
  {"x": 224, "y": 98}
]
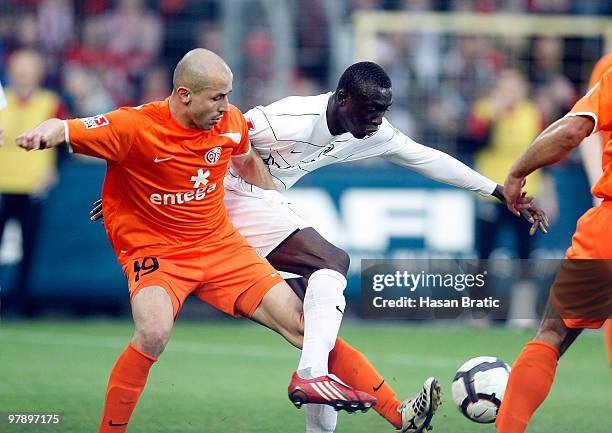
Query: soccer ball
[{"x": 479, "y": 386}]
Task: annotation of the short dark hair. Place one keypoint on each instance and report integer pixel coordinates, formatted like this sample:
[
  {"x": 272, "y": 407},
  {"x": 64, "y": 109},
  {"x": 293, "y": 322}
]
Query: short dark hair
[{"x": 363, "y": 77}]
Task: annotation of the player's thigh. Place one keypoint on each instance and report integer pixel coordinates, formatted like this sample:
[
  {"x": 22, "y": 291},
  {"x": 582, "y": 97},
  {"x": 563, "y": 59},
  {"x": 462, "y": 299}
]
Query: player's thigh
[
  {"x": 236, "y": 278},
  {"x": 178, "y": 277},
  {"x": 264, "y": 218},
  {"x": 281, "y": 310},
  {"x": 306, "y": 251}
]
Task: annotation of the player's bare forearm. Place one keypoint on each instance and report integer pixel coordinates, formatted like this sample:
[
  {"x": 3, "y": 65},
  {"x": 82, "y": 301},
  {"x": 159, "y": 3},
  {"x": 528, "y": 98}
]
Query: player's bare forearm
[
  {"x": 49, "y": 133},
  {"x": 553, "y": 145},
  {"x": 252, "y": 169}
]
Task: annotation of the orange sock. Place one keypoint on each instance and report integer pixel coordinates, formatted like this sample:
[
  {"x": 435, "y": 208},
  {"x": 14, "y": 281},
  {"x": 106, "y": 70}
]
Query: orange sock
[
  {"x": 608, "y": 338},
  {"x": 530, "y": 381},
  {"x": 352, "y": 367},
  {"x": 127, "y": 380}
]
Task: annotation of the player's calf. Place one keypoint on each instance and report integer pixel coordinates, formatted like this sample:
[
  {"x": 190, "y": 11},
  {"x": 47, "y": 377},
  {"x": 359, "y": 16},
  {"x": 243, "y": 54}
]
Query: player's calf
[{"x": 554, "y": 332}]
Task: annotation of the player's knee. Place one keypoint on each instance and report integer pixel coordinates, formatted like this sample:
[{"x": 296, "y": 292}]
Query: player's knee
[
  {"x": 336, "y": 259},
  {"x": 343, "y": 261},
  {"x": 152, "y": 339}
]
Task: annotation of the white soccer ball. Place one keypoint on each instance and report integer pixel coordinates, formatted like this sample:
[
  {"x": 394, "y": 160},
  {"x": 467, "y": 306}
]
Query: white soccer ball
[{"x": 479, "y": 386}]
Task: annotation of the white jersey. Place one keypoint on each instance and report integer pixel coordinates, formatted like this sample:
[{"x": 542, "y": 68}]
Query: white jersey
[{"x": 293, "y": 139}]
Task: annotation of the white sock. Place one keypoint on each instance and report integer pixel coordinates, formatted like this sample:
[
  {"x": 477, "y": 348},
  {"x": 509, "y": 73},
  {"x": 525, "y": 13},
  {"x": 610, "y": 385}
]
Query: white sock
[
  {"x": 323, "y": 309},
  {"x": 320, "y": 418}
]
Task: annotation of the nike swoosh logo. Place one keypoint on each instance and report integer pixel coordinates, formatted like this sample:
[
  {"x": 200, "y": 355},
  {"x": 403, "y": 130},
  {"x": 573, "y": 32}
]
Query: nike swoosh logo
[
  {"x": 338, "y": 308},
  {"x": 112, "y": 424},
  {"x": 234, "y": 136},
  {"x": 481, "y": 414},
  {"x": 376, "y": 388},
  {"x": 158, "y": 160}
]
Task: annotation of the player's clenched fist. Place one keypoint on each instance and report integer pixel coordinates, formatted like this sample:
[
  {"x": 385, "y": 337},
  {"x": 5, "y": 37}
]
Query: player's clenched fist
[{"x": 50, "y": 133}]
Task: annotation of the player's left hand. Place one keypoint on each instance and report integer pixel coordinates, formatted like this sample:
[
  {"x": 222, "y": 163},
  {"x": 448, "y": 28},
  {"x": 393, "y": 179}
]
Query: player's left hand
[{"x": 95, "y": 213}]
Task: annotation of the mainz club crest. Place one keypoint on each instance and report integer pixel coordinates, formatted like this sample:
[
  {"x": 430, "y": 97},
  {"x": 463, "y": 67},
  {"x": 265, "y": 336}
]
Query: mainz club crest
[{"x": 213, "y": 155}]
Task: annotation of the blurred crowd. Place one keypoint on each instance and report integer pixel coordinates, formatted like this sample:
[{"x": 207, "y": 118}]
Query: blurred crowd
[
  {"x": 582, "y": 7},
  {"x": 100, "y": 54}
]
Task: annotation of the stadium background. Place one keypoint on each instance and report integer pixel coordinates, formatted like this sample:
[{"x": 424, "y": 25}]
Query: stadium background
[{"x": 442, "y": 56}]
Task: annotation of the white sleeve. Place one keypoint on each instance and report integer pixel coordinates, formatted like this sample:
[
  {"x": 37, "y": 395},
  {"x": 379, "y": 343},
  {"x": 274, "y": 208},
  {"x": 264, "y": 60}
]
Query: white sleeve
[
  {"x": 3, "y": 103},
  {"x": 440, "y": 166},
  {"x": 261, "y": 132}
]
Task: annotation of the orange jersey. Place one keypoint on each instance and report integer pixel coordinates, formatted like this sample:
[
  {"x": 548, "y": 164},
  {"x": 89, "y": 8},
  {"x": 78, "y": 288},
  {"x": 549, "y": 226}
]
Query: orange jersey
[
  {"x": 601, "y": 67},
  {"x": 164, "y": 183},
  {"x": 597, "y": 103}
]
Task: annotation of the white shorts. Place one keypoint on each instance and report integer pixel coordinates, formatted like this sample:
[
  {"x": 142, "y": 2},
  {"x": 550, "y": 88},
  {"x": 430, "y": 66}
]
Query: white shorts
[{"x": 264, "y": 217}]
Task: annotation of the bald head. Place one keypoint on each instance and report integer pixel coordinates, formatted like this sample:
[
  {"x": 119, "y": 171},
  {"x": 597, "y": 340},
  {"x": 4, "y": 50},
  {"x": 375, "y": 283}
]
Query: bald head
[
  {"x": 202, "y": 83},
  {"x": 199, "y": 69}
]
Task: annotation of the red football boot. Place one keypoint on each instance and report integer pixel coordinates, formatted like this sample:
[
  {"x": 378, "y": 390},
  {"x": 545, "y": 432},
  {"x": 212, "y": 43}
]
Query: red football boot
[{"x": 329, "y": 391}]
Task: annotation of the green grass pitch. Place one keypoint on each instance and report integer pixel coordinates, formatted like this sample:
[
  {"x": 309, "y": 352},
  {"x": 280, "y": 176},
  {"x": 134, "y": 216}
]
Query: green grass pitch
[{"x": 232, "y": 376}]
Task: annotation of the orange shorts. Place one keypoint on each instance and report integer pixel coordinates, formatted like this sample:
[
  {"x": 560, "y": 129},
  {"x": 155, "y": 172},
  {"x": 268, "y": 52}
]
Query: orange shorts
[
  {"x": 228, "y": 275},
  {"x": 585, "y": 285}
]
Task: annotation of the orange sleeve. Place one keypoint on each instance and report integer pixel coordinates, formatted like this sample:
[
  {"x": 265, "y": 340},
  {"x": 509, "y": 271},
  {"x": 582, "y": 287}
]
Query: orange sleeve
[
  {"x": 106, "y": 136},
  {"x": 245, "y": 145},
  {"x": 597, "y": 103}
]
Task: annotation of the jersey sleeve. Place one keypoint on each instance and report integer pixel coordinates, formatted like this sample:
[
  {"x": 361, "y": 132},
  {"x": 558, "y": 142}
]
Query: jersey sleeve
[
  {"x": 441, "y": 167},
  {"x": 259, "y": 128},
  {"x": 244, "y": 146},
  {"x": 106, "y": 136},
  {"x": 597, "y": 103}
]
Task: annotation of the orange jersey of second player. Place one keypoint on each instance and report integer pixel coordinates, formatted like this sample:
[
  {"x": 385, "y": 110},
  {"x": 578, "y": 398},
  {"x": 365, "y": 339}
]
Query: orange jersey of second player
[
  {"x": 597, "y": 103},
  {"x": 164, "y": 183},
  {"x": 600, "y": 68}
]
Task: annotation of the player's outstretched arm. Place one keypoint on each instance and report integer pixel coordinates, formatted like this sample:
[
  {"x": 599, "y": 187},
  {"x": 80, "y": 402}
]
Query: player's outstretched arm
[
  {"x": 251, "y": 168},
  {"x": 49, "y": 133},
  {"x": 550, "y": 147},
  {"x": 444, "y": 168}
]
